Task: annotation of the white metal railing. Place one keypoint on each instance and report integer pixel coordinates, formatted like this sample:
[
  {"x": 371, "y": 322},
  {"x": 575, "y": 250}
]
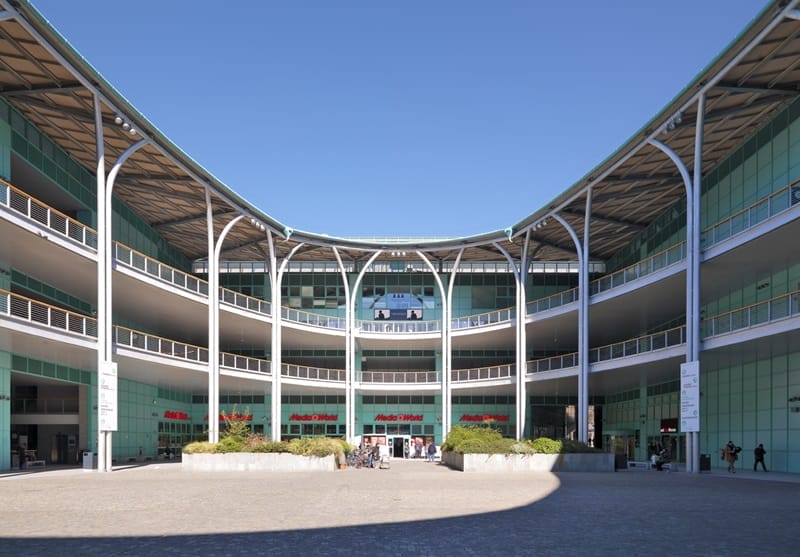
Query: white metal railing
[
  {"x": 313, "y": 319},
  {"x": 243, "y": 301},
  {"x": 244, "y": 363},
  {"x": 505, "y": 371},
  {"x": 554, "y": 362},
  {"x": 639, "y": 345},
  {"x": 40, "y": 313},
  {"x": 756, "y": 213},
  {"x": 399, "y": 327},
  {"x": 775, "y": 309},
  {"x": 35, "y": 210},
  {"x": 403, "y": 377},
  {"x": 505, "y": 315},
  {"x": 555, "y": 300},
  {"x": 156, "y": 269},
  {"x": 640, "y": 269},
  {"x": 315, "y": 373},
  {"x": 158, "y": 345},
  {"x": 624, "y": 349}
]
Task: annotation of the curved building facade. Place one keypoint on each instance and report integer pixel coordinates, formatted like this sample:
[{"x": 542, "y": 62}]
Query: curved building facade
[{"x": 654, "y": 302}]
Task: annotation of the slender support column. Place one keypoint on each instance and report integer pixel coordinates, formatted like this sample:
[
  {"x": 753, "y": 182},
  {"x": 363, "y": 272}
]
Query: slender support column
[
  {"x": 696, "y": 192},
  {"x": 583, "y": 337},
  {"x": 446, "y": 418},
  {"x": 349, "y": 355},
  {"x": 106, "y": 423},
  {"x": 583, "y": 318},
  {"x": 213, "y": 425},
  {"x": 521, "y": 370},
  {"x": 350, "y": 319},
  {"x": 447, "y": 362},
  {"x": 277, "y": 342},
  {"x": 692, "y": 252},
  {"x": 213, "y": 340},
  {"x": 102, "y": 309},
  {"x": 522, "y": 339}
]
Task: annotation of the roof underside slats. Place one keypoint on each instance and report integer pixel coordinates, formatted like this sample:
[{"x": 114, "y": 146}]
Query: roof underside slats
[{"x": 166, "y": 188}]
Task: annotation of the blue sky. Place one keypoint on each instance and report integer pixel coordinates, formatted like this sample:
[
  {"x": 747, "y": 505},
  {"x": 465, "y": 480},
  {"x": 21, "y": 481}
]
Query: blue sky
[{"x": 447, "y": 118}]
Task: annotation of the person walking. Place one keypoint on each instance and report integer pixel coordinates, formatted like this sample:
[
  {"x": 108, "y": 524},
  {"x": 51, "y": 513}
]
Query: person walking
[
  {"x": 759, "y": 453},
  {"x": 731, "y": 456},
  {"x": 431, "y": 452}
]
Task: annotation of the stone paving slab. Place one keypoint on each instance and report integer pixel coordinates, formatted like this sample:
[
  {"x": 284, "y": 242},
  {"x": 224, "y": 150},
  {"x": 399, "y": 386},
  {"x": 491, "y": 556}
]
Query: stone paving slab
[{"x": 413, "y": 508}]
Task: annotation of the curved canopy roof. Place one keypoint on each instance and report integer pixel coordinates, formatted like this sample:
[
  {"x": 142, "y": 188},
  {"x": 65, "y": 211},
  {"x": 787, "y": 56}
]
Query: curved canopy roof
[{"x": 46, "y": 80}]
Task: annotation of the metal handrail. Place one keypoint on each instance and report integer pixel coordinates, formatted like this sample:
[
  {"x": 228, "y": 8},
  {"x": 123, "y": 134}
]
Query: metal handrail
[
  {"x": 748, "y": 217},
  {"x": 56, "y": 221},
  {"x": 491, "y": 373},
  {"x": 396, "y": 376},
  {"x": 398, "y": 327},
  {"x": 774, "y": 309},
  {"x": 244, "y": 363},
  {"x": 48, "y": 315},
  {"x": 313, "y": 319},
  {"x": 131, "y": 338},
  {"x": 505, "y": 315},
  {"x": 314, "y": 373}
]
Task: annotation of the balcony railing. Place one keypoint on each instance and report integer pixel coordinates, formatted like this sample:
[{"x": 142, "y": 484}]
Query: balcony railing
[
  {"x": 505, "y": 315},
  {"x": 158, "y": 345},
  {"x": 552, "y": 363},
  {"x": 775, "y": 309},
  {"x": 35, "y": 210},
  {"x": 640, "y": 345},
  {"x": 403, "y": 377},
  {"x": 638, "y": 270},
  {"x": 47, "y": 315},
  {"x": 483, "y": 373},
  {"x": 156, "y": 269},
  {"x": 313, "y": 319},
  {"x": 45, "y": 406},
  {"x": 244, "y": 363},
  {"x": 313, "y": 373},
  {"x": 245, "y": 302},
  {"x": 399, "y": 327},
  {"x": 747, "y": 218}
]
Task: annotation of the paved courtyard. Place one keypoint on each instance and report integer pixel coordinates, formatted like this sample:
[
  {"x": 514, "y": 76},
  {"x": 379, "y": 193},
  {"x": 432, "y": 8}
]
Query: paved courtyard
[{"x": 414, "y": 508}]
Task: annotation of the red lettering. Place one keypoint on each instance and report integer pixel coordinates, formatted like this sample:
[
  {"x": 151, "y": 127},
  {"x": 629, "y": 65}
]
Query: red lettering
[
  {"x": 483, "y": 418},
  {"x": 174, "y": 415},
  {"x": 313, "y": 417},
  {"x": 398, "y": 418}
]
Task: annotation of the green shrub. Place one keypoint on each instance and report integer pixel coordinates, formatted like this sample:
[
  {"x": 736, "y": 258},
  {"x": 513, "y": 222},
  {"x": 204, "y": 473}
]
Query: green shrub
[
  {"x": 316, "y": 446},
  {"x": 476, "y": 439},
  {"x": 570, "y": 446},
  {"x": 200, "y": 447},
  {"x": 229, "y": 445},
  {"x": 545, "y": 445},
  {"x": 258, "y": 444},
  {"x": 235, "y": 426}
]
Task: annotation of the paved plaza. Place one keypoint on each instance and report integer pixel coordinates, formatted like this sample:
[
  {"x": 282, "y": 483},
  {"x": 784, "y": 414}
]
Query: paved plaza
[{"x": 413, "y": 508}]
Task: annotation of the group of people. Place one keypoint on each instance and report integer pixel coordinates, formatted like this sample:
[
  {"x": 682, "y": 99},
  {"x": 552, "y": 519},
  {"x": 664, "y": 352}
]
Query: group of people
[
  {"x": 731, "y": 454},
  {"x": 421, "y": 450}
]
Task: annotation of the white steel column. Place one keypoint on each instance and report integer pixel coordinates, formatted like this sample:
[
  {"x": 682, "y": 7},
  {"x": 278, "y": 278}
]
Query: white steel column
[
  {"x": 583, "y": 337},
  {"x": 102, "y": 315},
  {"x": 521, "y": 370},
  {"x": 692, "y": 321},
  {"x": 583, "y": 293},
  {"x": 349, "y": 402},
  {"x": 213, "y": 425},
  {"x": 694, "y": 463},
  {"x": 351, "y": 326},
  {"x": 446, "y": 403},
  {"x": 105, "y": 312},
  {"x": 213, "y": 340},
  {"x": 277, "y": 356}
]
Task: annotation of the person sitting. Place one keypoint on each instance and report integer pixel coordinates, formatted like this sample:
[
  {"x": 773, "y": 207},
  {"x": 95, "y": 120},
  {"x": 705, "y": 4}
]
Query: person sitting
[{"x": 662, "y": 459}]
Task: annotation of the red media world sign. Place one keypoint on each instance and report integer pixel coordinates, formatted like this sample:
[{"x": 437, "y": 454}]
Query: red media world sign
[
  {"x": 174, "y": 415},
  {"x": 398, "y": 418},
  {"x": 313, "y": 417},
  {"x": 483, "y": 418}
]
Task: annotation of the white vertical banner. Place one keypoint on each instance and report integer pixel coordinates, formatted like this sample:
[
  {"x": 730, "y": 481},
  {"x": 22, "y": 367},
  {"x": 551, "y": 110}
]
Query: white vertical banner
[
  {"x": 107, "y": 396},
  {"x": 690, "y": 397}
]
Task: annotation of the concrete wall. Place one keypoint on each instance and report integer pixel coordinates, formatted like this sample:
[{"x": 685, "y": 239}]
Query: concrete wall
[
  {"x": 273, "y": 462},
  {"x": 571, "y": 462}
]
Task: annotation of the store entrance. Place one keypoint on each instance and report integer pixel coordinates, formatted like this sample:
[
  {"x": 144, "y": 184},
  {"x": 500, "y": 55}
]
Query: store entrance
[{"x": 400, "y": 446}]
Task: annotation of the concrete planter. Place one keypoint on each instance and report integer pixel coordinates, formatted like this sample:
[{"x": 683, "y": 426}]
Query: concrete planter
[
  {"x": 272, "y": 462},
  {"x": 568, "y": 462}
]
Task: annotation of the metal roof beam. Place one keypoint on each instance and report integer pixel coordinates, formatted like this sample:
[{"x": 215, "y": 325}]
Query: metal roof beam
[
  {"x": 166, "y": 193},
  {"x": 606, "y": 220},
  {"x": 190, "y": 219},
  {"x": 733, "y": 88},
  {"x": 36, "y": 90},
  {"x": 640, "y": 178}
]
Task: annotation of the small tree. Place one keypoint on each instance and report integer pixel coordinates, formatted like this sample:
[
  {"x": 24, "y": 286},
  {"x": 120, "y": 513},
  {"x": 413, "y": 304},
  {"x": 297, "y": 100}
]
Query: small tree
[{"x": 236, "y": 424}]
